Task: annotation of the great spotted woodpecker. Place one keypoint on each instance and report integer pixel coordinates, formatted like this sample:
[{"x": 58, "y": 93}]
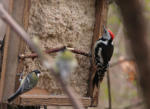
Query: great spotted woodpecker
[{"x": 103, "y": 51}]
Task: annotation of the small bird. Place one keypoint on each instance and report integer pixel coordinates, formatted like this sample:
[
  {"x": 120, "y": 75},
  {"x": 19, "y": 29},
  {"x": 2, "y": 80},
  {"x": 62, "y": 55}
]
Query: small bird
[
  {"x": 65, "y": 63},
  {"x": 27, "y": 83},
  {"x": 103, "y": 51}
]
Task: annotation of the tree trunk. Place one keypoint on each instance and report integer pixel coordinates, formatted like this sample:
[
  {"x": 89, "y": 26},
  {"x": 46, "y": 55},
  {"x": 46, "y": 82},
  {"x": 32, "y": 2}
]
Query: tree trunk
[{"x": 136, "y": 28}]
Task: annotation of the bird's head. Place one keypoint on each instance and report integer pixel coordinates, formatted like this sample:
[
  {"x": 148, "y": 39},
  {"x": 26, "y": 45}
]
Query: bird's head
[
  {"x": 108, "y": 34},
  {"x": 37, "y": 72}
]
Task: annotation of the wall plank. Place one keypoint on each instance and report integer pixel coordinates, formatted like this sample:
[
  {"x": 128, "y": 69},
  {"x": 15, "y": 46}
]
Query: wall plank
[
  {"x": 11, "y": 51},
  {"x": 100, "y": 20}
]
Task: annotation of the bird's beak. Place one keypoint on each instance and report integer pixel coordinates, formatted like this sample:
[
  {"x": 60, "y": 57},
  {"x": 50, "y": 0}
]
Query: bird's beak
[{"x": 104, "y": 29}]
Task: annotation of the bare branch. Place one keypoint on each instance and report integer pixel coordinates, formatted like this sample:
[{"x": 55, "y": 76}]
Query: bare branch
[
  {"x": 109, "y": 90},
  {"x": 53, "y": 50}
]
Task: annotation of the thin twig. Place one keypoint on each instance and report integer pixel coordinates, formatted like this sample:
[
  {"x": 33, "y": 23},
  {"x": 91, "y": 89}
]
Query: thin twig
[
  {"x": 45, "y": 59},
  {"x": 53, "y": 50},
  {"x": 33, "y": 55},
  {"x": 81, "y": 53},
  {"x": 109, "y": 90}
]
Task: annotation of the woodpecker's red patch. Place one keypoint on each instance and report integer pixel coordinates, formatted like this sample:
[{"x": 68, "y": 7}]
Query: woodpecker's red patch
[{"x": 111, "y": 34}]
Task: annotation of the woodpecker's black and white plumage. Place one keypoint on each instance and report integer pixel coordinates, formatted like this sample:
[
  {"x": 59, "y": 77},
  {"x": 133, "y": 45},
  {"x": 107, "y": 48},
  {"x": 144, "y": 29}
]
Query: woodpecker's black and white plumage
[{"x": 103, "y": 51}]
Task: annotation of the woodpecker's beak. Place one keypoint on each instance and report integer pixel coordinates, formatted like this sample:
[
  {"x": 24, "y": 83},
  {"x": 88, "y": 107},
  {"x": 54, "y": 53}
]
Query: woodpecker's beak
[{"x": 105, "y": 31}]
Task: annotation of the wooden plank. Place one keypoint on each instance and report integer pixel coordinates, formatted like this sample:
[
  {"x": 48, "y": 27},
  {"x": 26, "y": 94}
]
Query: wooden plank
[
  {"x": 11, "y": 51},
  {"x": 50, "y": 100},
  {"x": 2, "y": 80},
  {"x": 22, "y": 43},
  {"x": 100, "y": 20},
  {"x": 41, "y": 97},
  {"x": 3, "y": 26}
]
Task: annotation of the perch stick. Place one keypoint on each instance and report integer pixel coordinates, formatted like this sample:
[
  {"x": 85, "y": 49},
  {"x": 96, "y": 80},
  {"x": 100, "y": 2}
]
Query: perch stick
[
  {"x": 43, "y": 57},
  {"x": 53, "y": 50},
  {"x": 109, "y": 90}
]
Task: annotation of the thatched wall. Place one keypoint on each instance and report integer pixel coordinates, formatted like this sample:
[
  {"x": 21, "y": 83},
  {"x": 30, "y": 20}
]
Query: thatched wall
[{"x": 58, "y": 23}]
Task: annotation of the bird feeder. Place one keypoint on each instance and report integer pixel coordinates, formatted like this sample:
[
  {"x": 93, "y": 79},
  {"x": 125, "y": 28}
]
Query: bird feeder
[{"x": 12, "y": 65}]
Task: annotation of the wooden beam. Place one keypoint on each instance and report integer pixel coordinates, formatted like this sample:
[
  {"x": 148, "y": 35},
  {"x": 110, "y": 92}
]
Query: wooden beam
[
  {"x": 11, "y": 51},
  {"x": 3, "y": 26},
  {"x": 50, "y": 100},
  {"x": 5, "y": 52},
  {"x": 22, "y": 43},
  {"x": 100, "y": 20},
  {"x": 41, "y": 97}
]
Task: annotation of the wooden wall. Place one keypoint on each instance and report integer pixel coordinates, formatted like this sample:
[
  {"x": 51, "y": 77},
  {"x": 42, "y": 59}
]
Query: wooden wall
[{"x": 14, "y": 45}]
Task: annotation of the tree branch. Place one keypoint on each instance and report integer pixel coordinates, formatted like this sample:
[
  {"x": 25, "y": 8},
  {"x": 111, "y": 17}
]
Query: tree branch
[
  {"x": 53, "y": 50},
  {"x": 109, "y": 90}
]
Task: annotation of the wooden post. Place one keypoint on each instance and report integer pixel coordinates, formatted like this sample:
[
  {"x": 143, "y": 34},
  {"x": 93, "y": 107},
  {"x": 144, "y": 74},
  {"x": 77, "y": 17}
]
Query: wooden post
[
  {"x": 4, "y": 57},
  {"x": 2, "y": 24},
  {"x": 100, "y": 20},
  {"x": 3, "y": 28},
  {"x": 12, "y": 47},
  {"x": 25, "y": 15}
]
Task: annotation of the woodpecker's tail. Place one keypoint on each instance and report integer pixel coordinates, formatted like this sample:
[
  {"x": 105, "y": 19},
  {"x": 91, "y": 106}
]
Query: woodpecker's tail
[
  {"x": 99, "y": 75},
  {"x": 95, "y": 80},
  {"x": 16, "y": 94}
]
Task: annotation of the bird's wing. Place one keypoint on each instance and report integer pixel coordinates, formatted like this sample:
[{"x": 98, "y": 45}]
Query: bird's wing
[
  {"x": 107, "y": 53},
  {"x": 98, "y": 55},
  {"x": 27, "y": 83}
]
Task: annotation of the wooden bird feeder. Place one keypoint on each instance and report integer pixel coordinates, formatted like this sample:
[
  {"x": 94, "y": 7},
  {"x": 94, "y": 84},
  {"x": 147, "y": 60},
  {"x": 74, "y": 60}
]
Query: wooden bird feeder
[{"x": 12, "y": 65}]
